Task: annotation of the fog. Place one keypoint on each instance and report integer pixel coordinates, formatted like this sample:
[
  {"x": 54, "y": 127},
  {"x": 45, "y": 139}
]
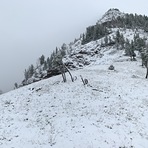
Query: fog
[{"x": 30, "y": 28}]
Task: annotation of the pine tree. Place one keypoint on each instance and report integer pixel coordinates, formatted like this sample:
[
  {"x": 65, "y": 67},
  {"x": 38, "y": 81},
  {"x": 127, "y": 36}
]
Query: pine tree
[
  {"x": 42, "y": 59},
  {"x": 117, "y": 39},
  {"x": 26, "y": 75},
  {"x": 122, "y": 41},
  {"x": 31, "y": 71},
  {"x": 56, "y": 50},
  {"x": 145, "y": 61},
  {"x": 127, "y": 48},
  {"x": 15, "y": 85},
  {"x": 132, "y": 53},
  {"x": 83, "y": 39},
  {"x": 45, "y": 66},
  {"x": 63, "y": 50},
  {"x": 146, "y": 26},
  {"x": 143, "y": 56},
  {"x": 49, "y": 62}
]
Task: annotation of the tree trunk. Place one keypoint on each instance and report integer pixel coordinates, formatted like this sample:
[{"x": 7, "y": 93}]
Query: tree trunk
[
  {"x": 146, "y": 73},
  {"x": 63, "y": 76},
  {"x": 62, "y": 69},
  {"x": 64, "y": 72},
  {"x": 69, "y": 73}
]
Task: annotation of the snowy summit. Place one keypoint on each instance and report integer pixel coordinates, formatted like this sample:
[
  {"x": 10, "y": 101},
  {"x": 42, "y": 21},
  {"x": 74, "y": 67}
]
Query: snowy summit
[{"x": 110, "y": 15}]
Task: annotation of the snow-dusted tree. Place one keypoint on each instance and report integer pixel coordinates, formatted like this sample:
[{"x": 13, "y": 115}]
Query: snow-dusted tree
[
  {"x": 15, "y": 85},
  {"x": 63, "y": 50},
  {"x": 83, "y": 38},
  {"x": 119, "y": 40},
  {"x": 94, "y": 32},
  {"x": 131, "y": 51},
  {"x": 64, "y": 47},
  {"x": 45, "y": 66},
  {"x": 26, "y": 75},
  {"x": 139, "y": 43},
  {"x": 122, "y": 41},
  {"x": 146, "y": 26},
  {"x": 56, "y": 51},
  {"x": 31, "y": 70},
  {"x": 144, "y": 56},
  {"x": 127, "y": 48},
  {"x": 42, "y": 59},
  {"x": 142, "y": 53},
  {"x": 49, "y": 62}
]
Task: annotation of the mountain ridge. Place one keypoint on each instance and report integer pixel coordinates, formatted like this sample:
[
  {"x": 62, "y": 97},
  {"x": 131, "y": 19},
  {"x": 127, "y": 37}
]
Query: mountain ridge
[
  {"x": 112, "y": 27},
  {"x": 101, "y": 108}
]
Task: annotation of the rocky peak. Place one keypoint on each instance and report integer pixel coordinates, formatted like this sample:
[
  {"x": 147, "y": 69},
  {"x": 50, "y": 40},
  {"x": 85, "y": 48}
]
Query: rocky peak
[{"x": 110, "y": 14}]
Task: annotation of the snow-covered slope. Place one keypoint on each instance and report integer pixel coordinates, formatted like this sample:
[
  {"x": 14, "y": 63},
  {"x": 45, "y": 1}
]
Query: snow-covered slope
[
  {"x": 81, "y": 55},
  {"x": 110, "y": 112}
]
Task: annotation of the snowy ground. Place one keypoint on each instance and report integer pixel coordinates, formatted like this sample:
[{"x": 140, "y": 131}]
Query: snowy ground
[{"x": 111, "y": 112}]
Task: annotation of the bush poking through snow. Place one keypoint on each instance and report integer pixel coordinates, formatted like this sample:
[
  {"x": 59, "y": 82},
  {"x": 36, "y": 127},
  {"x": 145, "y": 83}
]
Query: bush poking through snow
[{"x": 111, "y": 67}]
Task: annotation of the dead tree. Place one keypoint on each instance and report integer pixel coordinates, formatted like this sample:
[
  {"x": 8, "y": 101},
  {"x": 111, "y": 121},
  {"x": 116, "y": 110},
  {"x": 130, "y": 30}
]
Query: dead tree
[
  {"x": 63, "y": 70},
  {"x": 85, "y": 81},
  {"x": 69, "y": 73},
  {"x": 146, "y": 73}
]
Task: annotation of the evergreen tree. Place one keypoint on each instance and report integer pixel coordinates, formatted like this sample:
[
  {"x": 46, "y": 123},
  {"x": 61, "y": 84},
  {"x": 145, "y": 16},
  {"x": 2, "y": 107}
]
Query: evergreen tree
[
  {"x": 42, "y": 59},
  {"x": 122, "y": 41},
  {"x": 146, "y": 26},
  {"x": 56, "y": 50},
  {"x": 63, "y": 50},
  {"x": 26, "y": 75},
  {"x": 83, "y": 39},
  {"x": 45, "y": 66},
  {"x": 131, "y": 51},
  {"x": 145, "y": 61},
  {"x": 143, "y": 56},
  {"x": 64, "y": 47},
  {"x": 15, "y": 85},
  {"x": 117, "y": 39},
  {"x": 127, "y": 48},
  {"x": 49, "y": 62},
  {"x": 31, "y": 71},
  {"x": 140, "y": 44}
]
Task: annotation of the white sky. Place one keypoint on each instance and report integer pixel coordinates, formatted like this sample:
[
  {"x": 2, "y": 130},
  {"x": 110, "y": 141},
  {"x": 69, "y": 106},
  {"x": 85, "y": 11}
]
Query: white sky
[{"x": 30, "y": 28}]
